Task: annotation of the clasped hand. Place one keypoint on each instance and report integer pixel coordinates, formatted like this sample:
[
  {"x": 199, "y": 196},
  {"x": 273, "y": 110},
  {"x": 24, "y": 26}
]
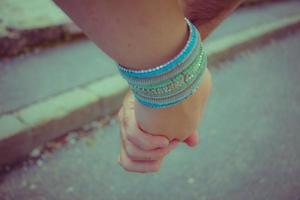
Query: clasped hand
[{"x": 140, "y": 151}]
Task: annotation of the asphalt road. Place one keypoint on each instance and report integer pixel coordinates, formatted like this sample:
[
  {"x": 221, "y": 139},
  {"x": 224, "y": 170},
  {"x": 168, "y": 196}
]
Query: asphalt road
[
  {"x": 35, "y": 77},
  {"x": 249, "y": 148}
]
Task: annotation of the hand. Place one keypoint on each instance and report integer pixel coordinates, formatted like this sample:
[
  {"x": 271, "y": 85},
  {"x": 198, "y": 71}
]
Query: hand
[{"x": 141, "y": 151}]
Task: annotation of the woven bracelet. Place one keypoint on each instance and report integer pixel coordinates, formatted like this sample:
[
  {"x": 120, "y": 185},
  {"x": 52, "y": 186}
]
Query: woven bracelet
[{"x": 174, "y": 81}]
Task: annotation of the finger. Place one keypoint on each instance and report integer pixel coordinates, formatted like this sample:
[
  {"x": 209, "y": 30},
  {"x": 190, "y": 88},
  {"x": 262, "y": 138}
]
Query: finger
[
  {"x": 137, "y": 154},
  {"x": 142, "y": 139},
  {"x": 137, "y": 166},
  {"x": 146, "y": 141},
  {"x": 138, "y": 137},
  {"x": 192, "y": 140}
]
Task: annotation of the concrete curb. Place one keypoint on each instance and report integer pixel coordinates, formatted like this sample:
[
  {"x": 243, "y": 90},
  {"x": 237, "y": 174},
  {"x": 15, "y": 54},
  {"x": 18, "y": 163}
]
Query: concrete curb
[
  {"x": 15, "y": 42},
  {"x": 36, "y": 124},
  {"x": 223, "y": 48}
]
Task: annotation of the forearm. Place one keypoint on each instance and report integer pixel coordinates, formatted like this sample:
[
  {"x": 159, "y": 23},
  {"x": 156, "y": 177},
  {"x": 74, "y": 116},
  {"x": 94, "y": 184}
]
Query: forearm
[
  {"x": 141, "y": 34},
  {"x": 138, "y": 34}
]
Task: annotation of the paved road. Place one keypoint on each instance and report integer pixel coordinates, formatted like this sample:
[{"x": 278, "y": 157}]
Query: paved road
[
  {"x": 249, "y": 149},
  {"x": 32, "y": 78}
]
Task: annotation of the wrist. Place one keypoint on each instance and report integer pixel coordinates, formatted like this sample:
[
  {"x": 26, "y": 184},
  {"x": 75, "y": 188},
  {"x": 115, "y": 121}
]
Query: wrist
[
  {"x": 179, "y": 121},
  {"x": 174, "y": 81}
]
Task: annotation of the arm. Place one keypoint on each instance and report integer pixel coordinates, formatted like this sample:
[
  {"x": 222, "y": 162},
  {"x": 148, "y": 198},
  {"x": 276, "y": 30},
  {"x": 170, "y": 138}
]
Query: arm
[
  {"x": 142, "y": 34},
  {"x": 138, "y": 149},
  {"x": 207, "y": 16}
]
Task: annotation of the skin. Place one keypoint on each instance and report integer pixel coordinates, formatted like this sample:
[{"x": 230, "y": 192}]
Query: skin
[
  {"x": 206, "y": 25},
  {"x": 207, "y": 15},
  {"x": 131, "y": 34}
]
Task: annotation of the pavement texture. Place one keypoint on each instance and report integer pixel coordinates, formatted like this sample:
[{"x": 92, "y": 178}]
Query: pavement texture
[
  {"x": 80, "y": 95},
  {"x": 249, "y": 144}
]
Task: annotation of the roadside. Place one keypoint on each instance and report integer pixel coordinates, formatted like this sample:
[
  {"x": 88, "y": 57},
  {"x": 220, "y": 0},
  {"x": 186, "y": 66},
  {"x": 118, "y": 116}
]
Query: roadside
[{"x": 43, "y": 118}]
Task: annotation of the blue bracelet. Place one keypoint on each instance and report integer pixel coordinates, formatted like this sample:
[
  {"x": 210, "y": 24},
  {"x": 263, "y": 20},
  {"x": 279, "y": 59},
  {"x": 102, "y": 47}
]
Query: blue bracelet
[
  {"x": 174, "y": 81},
  {"x": 175, "y": 98}
]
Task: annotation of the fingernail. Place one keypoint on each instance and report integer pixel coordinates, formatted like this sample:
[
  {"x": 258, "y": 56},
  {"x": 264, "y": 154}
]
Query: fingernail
[{"x": 193, "y": 140}]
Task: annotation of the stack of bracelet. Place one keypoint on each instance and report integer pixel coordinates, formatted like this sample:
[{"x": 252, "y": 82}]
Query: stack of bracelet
[{"x": 171, "y": 83}]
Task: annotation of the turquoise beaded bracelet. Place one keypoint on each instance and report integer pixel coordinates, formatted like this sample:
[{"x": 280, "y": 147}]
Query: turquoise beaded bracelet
[{"x": 174, "y": 81}]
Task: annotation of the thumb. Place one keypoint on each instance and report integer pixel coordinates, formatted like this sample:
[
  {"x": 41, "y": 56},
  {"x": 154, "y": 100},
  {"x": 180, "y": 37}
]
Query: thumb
[{"x": 192, "y": 140}]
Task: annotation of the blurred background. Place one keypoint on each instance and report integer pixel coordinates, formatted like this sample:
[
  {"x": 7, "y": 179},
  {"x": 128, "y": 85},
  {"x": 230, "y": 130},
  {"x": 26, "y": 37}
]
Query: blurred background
[{"x": 59, "y": 95}]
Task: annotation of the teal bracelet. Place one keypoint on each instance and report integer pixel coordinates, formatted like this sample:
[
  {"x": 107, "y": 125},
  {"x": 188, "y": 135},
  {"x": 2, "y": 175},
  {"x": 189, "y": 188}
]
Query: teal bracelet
[
  {"x": 178, "y": 91},
  {"x": 173, "y": 85},
  {"x": 170, "y": 83}
]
